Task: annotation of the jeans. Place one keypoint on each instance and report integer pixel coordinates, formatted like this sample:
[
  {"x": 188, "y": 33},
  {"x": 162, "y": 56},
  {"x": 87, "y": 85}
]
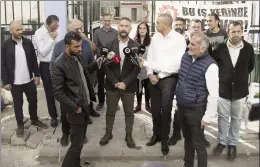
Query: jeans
[{"x": 228, "y": 130}]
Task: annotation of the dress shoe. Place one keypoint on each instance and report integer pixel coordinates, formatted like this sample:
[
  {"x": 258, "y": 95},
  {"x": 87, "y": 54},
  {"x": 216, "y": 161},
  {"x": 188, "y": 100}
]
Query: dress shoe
[
  {"x": 218, "y": 149},
  {"x": 94, "y": 113},
  {"x": 54, "y": 123},
  {"x": 165, "y": 148},
  {"x": 100, "y": 106},
  {"x": 137, "y": 108},
  {"x": 173, "y": 140},
  {"x": 64, "y": 141},
  {"x": 232, "y": 152},
  {"x": 130, "y": 141},
  {"x": 206, "y": 142},
  {"x": 153, "y": 140},
  {"x": 89, "y": 121},
  {"x": 20, "y": 131},
  {"x": 39, "y": 124},
  {"x": 104, "y": 141}
]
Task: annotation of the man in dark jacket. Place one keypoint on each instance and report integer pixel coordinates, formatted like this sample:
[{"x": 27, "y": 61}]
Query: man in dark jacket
[
  {"x": 88, "y": 60},
  {"x": 73, "y": 89},
  {"x": 20, "y": 74},
  {"x": 235, "y": 58},
  {"x": 121, "y": 82}
]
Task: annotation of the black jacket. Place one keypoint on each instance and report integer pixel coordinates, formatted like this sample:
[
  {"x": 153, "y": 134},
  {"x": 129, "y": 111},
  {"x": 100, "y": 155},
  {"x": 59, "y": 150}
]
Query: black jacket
[
  {"x": 66, "y": 82},
  {"x": 129, "y": 71},
  {"x": 233, "y": 81},
  {"x": 8, "y": 60}
]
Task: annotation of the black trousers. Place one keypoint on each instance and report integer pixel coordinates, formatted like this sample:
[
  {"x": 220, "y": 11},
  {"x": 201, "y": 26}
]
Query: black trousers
[
  {"x": 177, "y": 124},
  {"x": 190, "y": 119},
  {"x": 162, "y": 95},
  {"x": 47, "y": 84},
  {"x": 101, "y": 81},
  {"x": 77, "y": 135},
  {"x": 113, "y": 98},
  {"x": 31, "y": 93},
  {"x": 144, "y": 84},
  {"x": 65, "y": 125}
]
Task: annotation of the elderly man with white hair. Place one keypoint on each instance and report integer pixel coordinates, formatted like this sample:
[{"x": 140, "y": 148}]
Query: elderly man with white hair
[
  {"x": 197, "y": 97},
  {"x": 88, "y": 59}
]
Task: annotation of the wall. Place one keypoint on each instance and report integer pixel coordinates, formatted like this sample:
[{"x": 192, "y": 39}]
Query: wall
[{"x": 50, "y": 8}]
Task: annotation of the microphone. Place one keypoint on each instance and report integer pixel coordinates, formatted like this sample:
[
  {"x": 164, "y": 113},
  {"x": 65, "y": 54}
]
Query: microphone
[
  {"x": 138, "y": 52},
  {"x": 103, "y": 53},
  {"x": 109, "y": 58},
  {"x": 142, "y": 50},
  {"x": 128, "y": 52}
]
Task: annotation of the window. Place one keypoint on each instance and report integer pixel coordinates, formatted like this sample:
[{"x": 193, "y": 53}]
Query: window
[
  {"x": 3, "y": 19},
  {"x": 9, "y": 12}
]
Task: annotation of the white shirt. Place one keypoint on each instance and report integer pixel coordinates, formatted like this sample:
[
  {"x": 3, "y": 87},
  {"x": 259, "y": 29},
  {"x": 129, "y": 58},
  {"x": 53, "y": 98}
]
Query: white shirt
[
  {"x": 122, "y": 45},
  {"x": 44, "y": 44},
  {"x": 21, "y": 71},
  {"x": 234, "y": 51},
  {"x": 165, "y": 53},
  {"x": 212, "y": 82}
]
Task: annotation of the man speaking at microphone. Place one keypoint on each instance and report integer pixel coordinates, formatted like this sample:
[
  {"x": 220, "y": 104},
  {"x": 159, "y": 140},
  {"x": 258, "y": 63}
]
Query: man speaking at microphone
[
  {"x": 120, "y": 83},
  {"x": 163, "y": 63}
]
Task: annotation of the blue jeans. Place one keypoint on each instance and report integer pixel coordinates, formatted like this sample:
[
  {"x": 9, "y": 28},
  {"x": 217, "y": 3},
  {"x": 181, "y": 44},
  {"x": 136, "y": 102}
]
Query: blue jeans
[{"x": 229, "y": 120}]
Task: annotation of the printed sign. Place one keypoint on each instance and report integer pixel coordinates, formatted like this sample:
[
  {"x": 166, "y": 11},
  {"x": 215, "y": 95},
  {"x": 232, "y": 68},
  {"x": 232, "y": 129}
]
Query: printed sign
[{"x": 227, "y": 12}]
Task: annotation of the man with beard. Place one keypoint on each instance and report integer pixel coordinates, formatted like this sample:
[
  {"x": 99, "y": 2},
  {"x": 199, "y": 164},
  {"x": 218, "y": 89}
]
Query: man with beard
[
  {"x": 20, "y": 74},
  {"x": 179, "y": 26},
  {"x": 88, "y": 60},
  {"x": 235, "y": 58},
  {"x": 121, "y": 83},
  {"x": 73, "y": 89},
  {"x": 163, "y": 63}
]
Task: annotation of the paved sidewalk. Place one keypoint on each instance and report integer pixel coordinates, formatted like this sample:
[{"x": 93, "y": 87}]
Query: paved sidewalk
[{"x": 47, "y": 141}]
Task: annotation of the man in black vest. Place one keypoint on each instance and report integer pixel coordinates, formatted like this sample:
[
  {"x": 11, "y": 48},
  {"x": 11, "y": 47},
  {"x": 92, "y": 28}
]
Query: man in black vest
[
  {"x": 235, "y": 58},
  {"x": 20, "y": 74},
  {"x": 120, "y": 83},
  {"x": 197, "y": 97},
  {"x": 196, "y": 26},
  {"x": 73, "y": 89}
]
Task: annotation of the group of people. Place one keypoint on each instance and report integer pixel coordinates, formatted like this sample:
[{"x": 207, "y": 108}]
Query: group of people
[{"x": 206, "y": 71}]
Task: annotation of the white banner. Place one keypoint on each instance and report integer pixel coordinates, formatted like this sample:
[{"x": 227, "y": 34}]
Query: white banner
[{"x": 226, "y": 13}]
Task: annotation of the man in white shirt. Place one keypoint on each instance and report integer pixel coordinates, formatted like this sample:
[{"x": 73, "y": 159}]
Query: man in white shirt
[
  {"x": 197, "y": 97},
  {"x": 163, "y": 63},
  {"x": 45, "y": 39},
  {"x": 20, "y": 74}
]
